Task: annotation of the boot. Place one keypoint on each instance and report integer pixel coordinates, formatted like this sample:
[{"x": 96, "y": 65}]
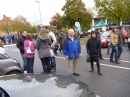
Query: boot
[
  {"x": 98, "y": 67},
  {"x": 91, "y": 70},
  {"x": 99, "y": 73}
]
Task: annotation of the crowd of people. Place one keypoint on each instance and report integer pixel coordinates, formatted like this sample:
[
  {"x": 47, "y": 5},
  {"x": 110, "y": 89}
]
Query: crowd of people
[
  {"x": 47, "y": 44},
  {"x": 9, "y": 38}
]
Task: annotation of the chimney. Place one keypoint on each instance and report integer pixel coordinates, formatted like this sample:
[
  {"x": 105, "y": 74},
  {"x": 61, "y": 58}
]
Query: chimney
[{"x": 4, "y": 16}]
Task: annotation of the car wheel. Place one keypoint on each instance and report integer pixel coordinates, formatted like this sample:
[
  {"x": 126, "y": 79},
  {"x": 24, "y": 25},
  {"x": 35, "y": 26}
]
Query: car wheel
[{"x": 13, "y": 72}]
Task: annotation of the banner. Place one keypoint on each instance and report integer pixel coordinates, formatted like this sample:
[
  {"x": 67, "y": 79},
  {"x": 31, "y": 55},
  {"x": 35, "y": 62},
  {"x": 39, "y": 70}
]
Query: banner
[{"x": 77, "y": 24}]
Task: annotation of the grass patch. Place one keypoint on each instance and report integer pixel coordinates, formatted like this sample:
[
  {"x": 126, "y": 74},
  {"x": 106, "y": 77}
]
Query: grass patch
[{"x": 84, "y": 40}]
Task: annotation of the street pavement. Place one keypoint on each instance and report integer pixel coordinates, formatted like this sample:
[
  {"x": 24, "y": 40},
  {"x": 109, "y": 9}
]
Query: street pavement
[{"x": 115, "y": 81}]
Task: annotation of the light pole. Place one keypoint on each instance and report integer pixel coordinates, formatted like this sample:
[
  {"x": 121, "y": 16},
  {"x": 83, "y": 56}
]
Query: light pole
[
  {"x": 36, "y": 23},
  {"x": 39, "y": 11}
]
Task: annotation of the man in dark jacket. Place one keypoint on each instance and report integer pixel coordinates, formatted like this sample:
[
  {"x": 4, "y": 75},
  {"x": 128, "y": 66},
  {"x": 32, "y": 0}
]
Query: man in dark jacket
[
  {"x": 61, "y": 40},
  {"x": 99, "y": 37},
  {"x": 72, "y": 52},
  {"x": 20, "y": 46},
  {"x": 93, "y": 47},
  {"x": 120, "y": 42}
]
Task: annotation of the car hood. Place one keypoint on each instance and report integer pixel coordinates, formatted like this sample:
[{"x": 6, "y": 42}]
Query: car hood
[{"x": 44, "y": 85}]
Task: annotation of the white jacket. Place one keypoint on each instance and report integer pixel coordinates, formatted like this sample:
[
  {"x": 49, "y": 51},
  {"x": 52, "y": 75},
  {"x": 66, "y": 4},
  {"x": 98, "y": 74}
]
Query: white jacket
[{"x": 53, "y": 37}]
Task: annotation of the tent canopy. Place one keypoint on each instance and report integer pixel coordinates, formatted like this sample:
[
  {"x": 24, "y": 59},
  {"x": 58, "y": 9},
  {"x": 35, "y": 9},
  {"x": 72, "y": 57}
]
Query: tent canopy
[{"x": 100, "y": 24}]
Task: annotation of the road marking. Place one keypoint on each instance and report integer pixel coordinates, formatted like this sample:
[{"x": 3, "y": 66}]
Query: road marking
[
  {"x": 120, "y": 60},
  {"x": 9, "y": 45},
  {"x": 15, "y": 50},
  {"x": 114, "y": 66},
  {"x": 102, "y": 64}
]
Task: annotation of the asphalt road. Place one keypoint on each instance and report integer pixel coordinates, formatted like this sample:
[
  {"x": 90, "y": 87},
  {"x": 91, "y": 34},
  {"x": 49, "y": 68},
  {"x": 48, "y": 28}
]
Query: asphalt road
[{"x": 115, "y": 81}]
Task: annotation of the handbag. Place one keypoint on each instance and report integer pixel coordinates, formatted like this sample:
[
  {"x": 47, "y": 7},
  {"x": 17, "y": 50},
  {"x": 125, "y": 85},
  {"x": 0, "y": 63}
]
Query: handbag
[
  {"x": 88, "y": 58},
  {"x": 28, "y": 49},
  {"x": 52, "y": 53}
]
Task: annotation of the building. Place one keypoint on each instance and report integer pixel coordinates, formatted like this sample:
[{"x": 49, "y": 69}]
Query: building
[
  {"x": 5, "y": 24},
  {"x": 95, "y": 20}
]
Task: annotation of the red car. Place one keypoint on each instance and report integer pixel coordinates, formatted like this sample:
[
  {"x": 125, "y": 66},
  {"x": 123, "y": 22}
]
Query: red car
[
  {"x": 104, "y": 37},
  {"x": 125, "y": 35}
]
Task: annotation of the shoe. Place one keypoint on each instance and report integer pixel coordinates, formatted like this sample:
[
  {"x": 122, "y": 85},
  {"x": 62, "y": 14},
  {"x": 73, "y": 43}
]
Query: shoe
[
  {"x": 119, "y": 58},
  {"x": 111, "y": 61},
  {"x": 99, "y": 73},
  {"x": 101, "y": 58},
  {"x": 25, "y": 71},
  {"x": 68, "y": 74},
  {"x": 76, "y": 74},
  {"x": 117, "y": 62},
  {"x": 91, "y": 70},
  {"x": 53, "y": 70}
]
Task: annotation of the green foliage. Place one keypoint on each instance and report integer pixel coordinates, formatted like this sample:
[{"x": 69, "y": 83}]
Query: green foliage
[
  {"x": 116, "y": 10},
  {"x": 33, "y": 29},
  {"x": 20, "y": 23},
  {"x": 56, "y": 21},
  {"x": 52, "y": 28},
  {"x": 74, "y": 10}
]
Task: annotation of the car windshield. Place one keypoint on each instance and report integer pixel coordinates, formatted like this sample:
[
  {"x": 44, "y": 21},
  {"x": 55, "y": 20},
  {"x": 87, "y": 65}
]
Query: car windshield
[{"x": 105, "y": 34}]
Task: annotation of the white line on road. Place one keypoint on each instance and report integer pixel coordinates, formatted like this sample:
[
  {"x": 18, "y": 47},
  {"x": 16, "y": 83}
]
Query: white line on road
[
  {"x": 115, "y": 66},
  {"x": 9, "y": 45},
  {"x": 103, "y": 64},
  {"x": 120, "y": 60},
  {"x": 15, "y": 50}
]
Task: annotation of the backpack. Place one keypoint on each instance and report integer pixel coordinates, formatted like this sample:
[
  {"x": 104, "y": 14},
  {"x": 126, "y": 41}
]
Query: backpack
[{"x": 28, "y": 49}]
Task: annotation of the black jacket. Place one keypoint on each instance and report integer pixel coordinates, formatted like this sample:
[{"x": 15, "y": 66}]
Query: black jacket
[
  {"x": 61, "y": 39},
  {"x": 93, "y": 47},
  {"x": 20, "y": 44}
]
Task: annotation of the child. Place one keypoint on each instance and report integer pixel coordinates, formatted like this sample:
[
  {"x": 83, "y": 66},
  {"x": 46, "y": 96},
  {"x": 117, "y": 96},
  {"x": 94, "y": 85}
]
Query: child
[
  {"x": 93, "y": 47},
  {"x": 108, "y": 44}
]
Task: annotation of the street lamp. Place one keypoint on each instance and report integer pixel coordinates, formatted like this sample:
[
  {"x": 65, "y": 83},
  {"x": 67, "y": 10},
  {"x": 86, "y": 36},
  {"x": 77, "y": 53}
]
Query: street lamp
[
  {"x": 39, "y": 11},
  {"x": 36, "y": 23}
]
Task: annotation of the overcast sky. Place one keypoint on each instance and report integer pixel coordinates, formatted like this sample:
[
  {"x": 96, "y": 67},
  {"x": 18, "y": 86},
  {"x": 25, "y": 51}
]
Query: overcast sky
[{"x": 29, "y": 8}]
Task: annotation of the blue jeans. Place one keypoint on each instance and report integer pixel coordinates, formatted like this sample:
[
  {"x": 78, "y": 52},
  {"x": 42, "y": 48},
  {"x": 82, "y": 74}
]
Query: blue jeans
[
  {"x": 120, "y": 50},
  {"x": 24, "y": 62},
  {"x": 114, "y": 50},
  {"x": 46, "y": 64},
  {"x": 53, "y": 63},
  {"x": 30, "y": 63}
]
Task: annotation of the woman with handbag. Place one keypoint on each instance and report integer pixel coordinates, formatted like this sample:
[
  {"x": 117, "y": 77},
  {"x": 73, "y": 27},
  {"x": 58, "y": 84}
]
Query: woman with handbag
[
  {"x": 43, "y": 45},
  {"x": 29, "y": 52}
]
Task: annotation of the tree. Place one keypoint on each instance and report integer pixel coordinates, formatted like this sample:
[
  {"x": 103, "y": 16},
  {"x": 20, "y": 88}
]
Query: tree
[
  {"x": 33, "y": 29},
  {"x": 56, "y": 21},
  {"x": 74, "y": 10},
  {"x": 116, "y": 10},
  {"x": 20, "y": 23}
]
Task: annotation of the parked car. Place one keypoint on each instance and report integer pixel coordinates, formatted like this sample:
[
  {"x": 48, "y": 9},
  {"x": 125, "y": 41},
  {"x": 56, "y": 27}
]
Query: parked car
[
  {"x": 43, "y": 85},
  {"x": 8, "y": 65},
  {"x": 104, "y": 37},
  {"x": 125, "y": 36}
]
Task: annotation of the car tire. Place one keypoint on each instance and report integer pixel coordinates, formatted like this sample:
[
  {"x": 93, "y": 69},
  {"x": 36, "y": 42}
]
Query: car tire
[{"x": 13, "y": 72}]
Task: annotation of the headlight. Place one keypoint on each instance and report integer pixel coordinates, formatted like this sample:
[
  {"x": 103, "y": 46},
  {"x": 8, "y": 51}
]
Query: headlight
[{"x": 15, "y": 61}]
